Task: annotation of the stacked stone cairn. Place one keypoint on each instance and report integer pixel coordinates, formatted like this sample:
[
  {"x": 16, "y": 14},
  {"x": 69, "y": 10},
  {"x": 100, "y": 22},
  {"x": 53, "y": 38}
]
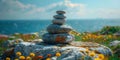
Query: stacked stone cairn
[{"x": 58, "y": 32}]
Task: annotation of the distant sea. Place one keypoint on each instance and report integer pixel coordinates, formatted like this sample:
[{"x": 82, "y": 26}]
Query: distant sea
[{"x": 30, "y": 26}]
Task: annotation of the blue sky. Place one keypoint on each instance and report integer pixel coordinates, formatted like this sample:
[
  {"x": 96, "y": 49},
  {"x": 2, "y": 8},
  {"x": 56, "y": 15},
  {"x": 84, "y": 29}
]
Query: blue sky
[{"x": 45, "y": 9}]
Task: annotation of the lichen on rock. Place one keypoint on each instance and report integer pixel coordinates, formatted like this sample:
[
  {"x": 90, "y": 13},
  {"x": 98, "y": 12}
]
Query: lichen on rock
[{"x": 68, "y": 51}]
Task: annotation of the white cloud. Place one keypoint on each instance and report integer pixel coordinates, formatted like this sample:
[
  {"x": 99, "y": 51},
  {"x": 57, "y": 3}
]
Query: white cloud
[
  {"x": 74, "y": 9},
  {"x": 15, "y": 4},
  {"x": 72, "y": 5},
  {"x": 14, "y": 9}
]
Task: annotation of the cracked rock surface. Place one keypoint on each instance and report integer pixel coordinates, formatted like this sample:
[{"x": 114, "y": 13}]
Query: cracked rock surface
[{"x": 72, "y": 51}]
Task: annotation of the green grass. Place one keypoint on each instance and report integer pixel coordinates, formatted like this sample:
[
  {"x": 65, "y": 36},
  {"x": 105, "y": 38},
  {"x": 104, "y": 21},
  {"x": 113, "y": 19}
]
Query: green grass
[{"x": 115, "y": 57}]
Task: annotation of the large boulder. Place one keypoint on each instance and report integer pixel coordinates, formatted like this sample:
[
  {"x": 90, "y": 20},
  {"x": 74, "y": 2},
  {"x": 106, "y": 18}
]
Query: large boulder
[
  {"x": 115, "y": 47},
  {"x": 73, "y": 51},
  {"x": 58, "y": 38}
]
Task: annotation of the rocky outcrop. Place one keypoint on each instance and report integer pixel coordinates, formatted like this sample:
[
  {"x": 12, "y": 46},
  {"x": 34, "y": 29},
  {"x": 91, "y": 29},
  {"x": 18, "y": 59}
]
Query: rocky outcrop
[
  {"x": 73, "y": 51},
  {"x": 11, "y": 43}
]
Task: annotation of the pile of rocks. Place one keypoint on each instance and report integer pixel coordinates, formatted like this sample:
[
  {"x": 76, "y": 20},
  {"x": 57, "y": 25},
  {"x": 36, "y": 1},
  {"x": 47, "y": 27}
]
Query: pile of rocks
[{"x": 58, "y": 32}]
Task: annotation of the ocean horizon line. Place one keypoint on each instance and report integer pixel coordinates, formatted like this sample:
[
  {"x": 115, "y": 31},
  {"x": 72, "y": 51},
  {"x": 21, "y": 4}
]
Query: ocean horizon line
[{"x": 52, "y": 19}]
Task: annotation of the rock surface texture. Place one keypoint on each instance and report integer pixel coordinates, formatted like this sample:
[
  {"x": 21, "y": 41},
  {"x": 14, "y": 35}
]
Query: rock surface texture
[{"x": 73, "y": 51}]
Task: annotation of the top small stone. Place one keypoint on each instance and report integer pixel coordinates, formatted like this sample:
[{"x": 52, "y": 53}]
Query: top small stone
[{"x": 60, "y": 12}]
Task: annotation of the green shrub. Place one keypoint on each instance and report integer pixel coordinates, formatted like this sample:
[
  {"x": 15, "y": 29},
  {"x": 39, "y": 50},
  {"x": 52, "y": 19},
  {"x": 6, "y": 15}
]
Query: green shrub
[{"x": 110, "y": 29}]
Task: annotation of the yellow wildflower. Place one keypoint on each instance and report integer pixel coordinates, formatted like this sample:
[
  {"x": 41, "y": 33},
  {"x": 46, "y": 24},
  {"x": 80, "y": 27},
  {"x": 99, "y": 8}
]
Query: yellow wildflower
[
  {"x": 83, "y": 38},
  {"x": 22, "y": 57},
  {"x": 28, "y": 58},
  {"x": 97, "y": 59},
  {"x": 87, "y": 50},
  {"x": 7, "y": 58},
  {"x": 58, "y": 54},
  {"x": 32, "y": 54},
  {"x": 109, "y": 36},
  {"x": 92, "y": 54},
  {"x": 101, "y": 56},
  {"x": 16, "y": 59},
  {"x": 48, "y": 59},
  {"x": 78, "y": 34},
  {"x": 86, "y": 37},
  {"x": 89, "y": 35},
  {"x": 98, "y": 36},
  {"x": 18, "y": 54}
]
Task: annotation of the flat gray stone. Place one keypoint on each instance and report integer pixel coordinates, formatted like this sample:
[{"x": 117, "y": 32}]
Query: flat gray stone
[
  {"x": 58, "y": 21},
  {"x": 59, "y": 17},
  {"x": 54, "y": 28}
]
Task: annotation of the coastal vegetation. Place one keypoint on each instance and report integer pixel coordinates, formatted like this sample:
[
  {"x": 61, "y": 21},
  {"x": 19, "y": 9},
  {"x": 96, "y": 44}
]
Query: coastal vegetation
[{"x": 105, "y": 36}]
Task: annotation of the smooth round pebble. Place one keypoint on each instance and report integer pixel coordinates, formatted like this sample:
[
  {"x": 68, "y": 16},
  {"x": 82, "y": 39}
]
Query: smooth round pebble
[{"x": 60, "y": 12}]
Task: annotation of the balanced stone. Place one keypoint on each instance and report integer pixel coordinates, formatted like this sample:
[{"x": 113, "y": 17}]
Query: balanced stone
[
  {"x": 60, "y": 12},
  {"x": 58, "y": 21},
  {"x": 59, "y": 16},
  {"x": 54, "y": 28},
  {"x": 58, "y": 32},
  {"x": 57, "y": 38}
]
